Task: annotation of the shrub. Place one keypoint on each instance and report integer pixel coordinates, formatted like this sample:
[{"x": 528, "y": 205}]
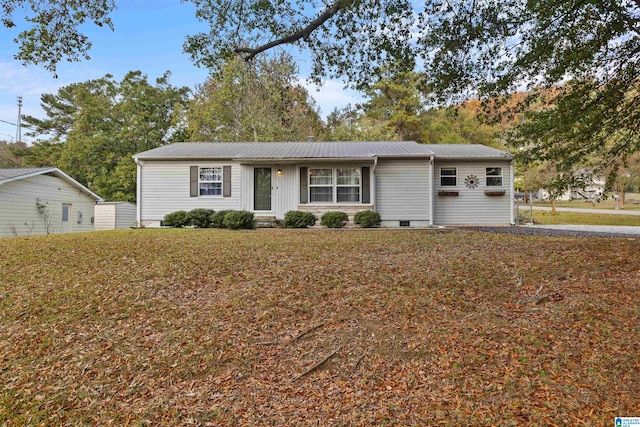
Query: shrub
[
  {"x": 334, "y": 219},
  {"x": 236, "y": 220},
  {"x": 367, "y": 219},
  {"x": 200, "y": 218},
  {"x": 217, "y": 218},
  {"x": 299, "y": 219},
  {"x": 176, "y": 219}
]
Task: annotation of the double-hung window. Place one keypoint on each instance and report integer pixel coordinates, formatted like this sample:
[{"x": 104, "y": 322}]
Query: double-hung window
[
  {"x": 348, "y": 185},
  {"x": 210, "y": 181},
  {"x": 321, "y": 185},
  {"x": 448, "y": 177},
  {"x": 340, "y": 185},
  {"x": 494, "y": 177}
]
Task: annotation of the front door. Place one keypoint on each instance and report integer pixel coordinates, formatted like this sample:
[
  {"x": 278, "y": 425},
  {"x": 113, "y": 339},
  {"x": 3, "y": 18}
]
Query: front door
[
  {"x": 65, "y": 225},
  {"x": 262, "y": 189}
]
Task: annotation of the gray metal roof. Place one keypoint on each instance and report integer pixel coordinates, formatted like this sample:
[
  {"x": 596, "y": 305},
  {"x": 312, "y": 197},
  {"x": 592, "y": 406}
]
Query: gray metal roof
[
  {"x": 11, "y": 174},
  {"x": 286, "y": 150},
  {"x": 467, "y": 151}
]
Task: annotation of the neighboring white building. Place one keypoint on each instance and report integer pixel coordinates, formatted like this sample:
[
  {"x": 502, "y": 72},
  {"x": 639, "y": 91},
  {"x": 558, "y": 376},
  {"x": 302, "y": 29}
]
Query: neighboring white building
[
  {"x": 44, "y": 201},
  {"x": 115, "y": 215},
  {"x": 409, "y": 184}
]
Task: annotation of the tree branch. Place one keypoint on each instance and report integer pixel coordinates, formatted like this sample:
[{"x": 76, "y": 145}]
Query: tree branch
[{"x": 302, "y": 33}]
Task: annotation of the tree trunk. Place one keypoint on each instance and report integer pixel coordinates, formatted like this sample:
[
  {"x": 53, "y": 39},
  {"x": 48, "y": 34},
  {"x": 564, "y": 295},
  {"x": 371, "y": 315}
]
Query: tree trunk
[{"x": 553, "y": 206}]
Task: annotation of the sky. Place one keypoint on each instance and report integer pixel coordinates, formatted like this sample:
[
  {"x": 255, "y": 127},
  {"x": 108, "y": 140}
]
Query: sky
[{"x": 148, "y": 36}]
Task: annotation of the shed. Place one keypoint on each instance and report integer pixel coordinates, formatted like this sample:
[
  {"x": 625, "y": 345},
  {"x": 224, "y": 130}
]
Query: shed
[{"x": 115, "y": 215}]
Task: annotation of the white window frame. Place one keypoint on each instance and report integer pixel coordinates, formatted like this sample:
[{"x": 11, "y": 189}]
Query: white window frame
[
  {"x": 201, "y": 181},
  {"x": 334, "y": 185},
  {"x": 455, "y": 176},
  {"x": 488, "y": 177},
  {"x": 358, "y": 186}
]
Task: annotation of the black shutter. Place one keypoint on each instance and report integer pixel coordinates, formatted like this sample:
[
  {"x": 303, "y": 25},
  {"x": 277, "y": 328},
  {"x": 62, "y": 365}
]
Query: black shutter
[
  {"x": 366, "y": 185},
  {"x": 226, "y": 181},
  {"x": 193, "y": 176},
  {"x": 304, "y": 192}
]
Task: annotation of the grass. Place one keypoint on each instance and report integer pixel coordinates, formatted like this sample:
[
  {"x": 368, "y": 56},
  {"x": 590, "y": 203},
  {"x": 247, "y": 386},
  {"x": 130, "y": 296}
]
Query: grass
[
  {"x": 609, "y": 203},
  {"x": 207, "y": 327},
  {"x": 579, "y": 218}
]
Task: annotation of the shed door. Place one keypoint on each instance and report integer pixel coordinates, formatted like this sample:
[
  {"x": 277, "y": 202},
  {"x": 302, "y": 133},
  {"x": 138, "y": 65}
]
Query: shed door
[
  {"x": 262, "y": 189},
  {"x": 65, "y": 225}
]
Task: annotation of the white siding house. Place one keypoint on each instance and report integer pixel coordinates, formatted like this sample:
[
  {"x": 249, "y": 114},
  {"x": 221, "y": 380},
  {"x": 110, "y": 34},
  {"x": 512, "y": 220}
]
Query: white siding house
[
  {"x": 400, "y": 180},
  {"x": 115, "y": 215},
  {"x": 43, "y": 201}
]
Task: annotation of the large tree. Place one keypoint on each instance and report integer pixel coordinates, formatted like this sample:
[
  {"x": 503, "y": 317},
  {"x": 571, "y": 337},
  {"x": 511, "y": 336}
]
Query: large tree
[
  {"x": 50, "y": 30},
  {"x": 93, "y": 128},
  {"x": 258, "y": 101}
]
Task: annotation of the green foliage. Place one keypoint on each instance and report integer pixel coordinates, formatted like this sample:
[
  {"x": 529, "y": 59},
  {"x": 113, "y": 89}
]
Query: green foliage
[
  {"x": 257, "y": 101},
  {"x": 217, "y": 218},
  {"x": 176, "y": 219},
  {"x": 299, "y": 219},
  {"x": 334, "y": 219},
  {"x": 367, "y": 219},
  {"x": 52, "y": 29},
  {"x": 200, "y": 217},
  {"x": 95, "y": 127},
  {"x": 236, "y": 220}
]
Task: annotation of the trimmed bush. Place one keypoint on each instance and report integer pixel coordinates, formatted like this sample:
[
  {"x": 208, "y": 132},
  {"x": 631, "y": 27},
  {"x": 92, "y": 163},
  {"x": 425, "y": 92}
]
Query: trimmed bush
[
  {"x": 200, "y": 218},
  {"x": 367, "y": 219},
  {"x": 299, "y": 219},
  {"x": 334, "y": 219},
  {"x": 217, "y": 219},
  {"x": 176, "y": 219},
  {"x": 236, "y": 220}
]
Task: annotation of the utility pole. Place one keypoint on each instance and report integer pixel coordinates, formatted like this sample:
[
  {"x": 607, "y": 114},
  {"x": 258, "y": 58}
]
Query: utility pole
[{"x": 19, "y": 123}]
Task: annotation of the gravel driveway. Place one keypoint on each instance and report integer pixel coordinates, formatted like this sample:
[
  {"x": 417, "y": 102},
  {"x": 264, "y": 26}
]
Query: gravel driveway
[{"x": 564, "y": 230}]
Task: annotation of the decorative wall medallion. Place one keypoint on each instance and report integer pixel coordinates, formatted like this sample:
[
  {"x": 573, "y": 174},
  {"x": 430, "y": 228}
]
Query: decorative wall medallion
[{"x": 471, "y": 181}]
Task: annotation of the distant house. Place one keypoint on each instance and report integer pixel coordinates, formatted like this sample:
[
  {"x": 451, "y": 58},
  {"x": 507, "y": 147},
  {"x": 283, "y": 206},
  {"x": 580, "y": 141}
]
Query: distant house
[
  {"x": 409, "y": 184},
  {"x": 115, "y": 215},
  {"x": 44, "y": 201}
]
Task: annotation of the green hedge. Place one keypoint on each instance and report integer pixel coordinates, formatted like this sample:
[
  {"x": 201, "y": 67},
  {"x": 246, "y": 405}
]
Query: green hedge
[
  {"x": 299, "y": 219},
  {"x": 334, "y": 219},
  {"x": 367, "y": 219},
  {"x": 217, "y": 219},
  {"x": 176, "y": 219},
  {"x": 236, "y": 220},
  {"x": 200, "y": 218}
]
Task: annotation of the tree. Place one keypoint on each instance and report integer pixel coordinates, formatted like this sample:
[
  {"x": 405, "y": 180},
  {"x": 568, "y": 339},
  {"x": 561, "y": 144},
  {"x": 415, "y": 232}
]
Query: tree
[
  {"x": 259, "y": 101},
  {"x": 350, "y": 124},
  {"x": 53, "y": 28},
  {"x": 94, "y": 128}
]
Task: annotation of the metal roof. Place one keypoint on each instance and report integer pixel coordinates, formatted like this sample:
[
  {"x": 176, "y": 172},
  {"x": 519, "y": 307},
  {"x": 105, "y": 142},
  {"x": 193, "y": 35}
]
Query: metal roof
[
  {"x": 317, "y": 150},
  {"x": 15, "y": 174},
  {"x": 467, "y": 151},
  {"x": 286, "y": 150}
]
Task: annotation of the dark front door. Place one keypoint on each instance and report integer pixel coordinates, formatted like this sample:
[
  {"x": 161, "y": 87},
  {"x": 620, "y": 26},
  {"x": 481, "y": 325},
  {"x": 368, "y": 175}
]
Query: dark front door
[{"x": 262, "y": 189}]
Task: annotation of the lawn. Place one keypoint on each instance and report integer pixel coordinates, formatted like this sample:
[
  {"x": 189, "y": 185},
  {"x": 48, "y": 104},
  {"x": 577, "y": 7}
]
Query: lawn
[
  {"x": 318, "y": 327},
  {"x": 578, "y": 218}
]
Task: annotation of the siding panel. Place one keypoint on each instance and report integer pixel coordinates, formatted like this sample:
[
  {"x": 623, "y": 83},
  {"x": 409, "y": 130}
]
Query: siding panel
[
  {"x": 472, "y": 206},
  {"x": 402, "y": 190},
  {"x": 18, "y": 206}
]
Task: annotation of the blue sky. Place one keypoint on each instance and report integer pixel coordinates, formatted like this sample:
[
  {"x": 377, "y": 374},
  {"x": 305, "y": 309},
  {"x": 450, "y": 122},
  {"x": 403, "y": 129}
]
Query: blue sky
[{"x": 148, "y": 37}]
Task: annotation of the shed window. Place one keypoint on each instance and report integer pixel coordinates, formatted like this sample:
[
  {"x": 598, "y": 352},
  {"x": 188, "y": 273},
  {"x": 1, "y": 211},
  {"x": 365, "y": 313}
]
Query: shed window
[
  {"x": 321, "y": 185},
  {"x": 210, "y": 181},
  {"x": 494, "y": 177},
  {"x": 448, "y": 177}
]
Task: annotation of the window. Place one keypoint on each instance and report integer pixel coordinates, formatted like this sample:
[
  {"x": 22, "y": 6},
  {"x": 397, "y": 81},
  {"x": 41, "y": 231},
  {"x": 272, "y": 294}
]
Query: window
[
  {"x": 321, "y": 185},
  {"x": 448, "y": 177},
  {"x": 348, "y": 185},
  {"x": 494, "y": 177},
  {"x": 210, "y": 183}
]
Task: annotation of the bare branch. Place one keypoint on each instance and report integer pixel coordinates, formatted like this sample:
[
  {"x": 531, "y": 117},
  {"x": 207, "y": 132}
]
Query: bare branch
[{"x": 303, "y": 33}]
